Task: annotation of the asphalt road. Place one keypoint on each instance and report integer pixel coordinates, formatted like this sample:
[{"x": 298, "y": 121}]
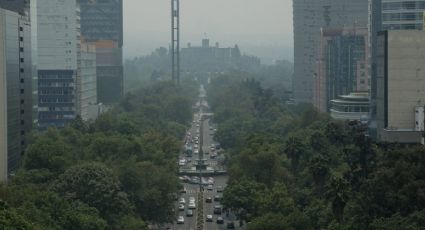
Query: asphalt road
[{"x": 192, "y": 190}]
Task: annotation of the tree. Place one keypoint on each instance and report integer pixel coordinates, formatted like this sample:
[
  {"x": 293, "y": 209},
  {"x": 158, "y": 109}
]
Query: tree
[
  {"x": 319, "y": 169},
  {"x": 337, "y": 193},
  {"x": 97, "y": 186},
  {"x": 294, "y": 148},
  {"x": 9, "y": 219},
  {"x": 47, "y": 154}
]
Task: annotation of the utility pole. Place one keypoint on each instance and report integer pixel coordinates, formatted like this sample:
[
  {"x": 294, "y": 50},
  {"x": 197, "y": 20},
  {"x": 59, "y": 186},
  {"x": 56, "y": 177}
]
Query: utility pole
[{"x": 175, "y": 41}]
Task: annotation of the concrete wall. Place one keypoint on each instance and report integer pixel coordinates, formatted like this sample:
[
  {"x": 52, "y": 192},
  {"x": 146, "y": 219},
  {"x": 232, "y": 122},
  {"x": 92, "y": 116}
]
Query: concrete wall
[{"x": 406, "y": 77}]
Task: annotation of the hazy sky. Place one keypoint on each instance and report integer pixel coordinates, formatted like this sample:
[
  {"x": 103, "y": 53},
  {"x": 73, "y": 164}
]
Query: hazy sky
[{"x": 260, "y": 27}]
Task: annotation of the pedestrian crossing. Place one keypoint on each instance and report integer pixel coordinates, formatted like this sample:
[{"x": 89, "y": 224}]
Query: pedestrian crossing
[{"x": 196, "y": 191}]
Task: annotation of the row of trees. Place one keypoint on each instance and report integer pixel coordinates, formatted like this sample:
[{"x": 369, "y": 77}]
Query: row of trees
[
  {"x": 294, "y": 168},
  {"x": 117, "y": 172}
]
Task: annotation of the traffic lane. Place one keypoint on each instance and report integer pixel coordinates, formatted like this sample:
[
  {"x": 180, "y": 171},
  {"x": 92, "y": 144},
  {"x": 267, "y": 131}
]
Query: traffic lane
[{"x": 189, "y": 222}]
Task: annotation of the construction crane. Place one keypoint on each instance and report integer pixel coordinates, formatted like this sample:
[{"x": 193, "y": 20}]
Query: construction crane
[{"x": 175, "y": 41}]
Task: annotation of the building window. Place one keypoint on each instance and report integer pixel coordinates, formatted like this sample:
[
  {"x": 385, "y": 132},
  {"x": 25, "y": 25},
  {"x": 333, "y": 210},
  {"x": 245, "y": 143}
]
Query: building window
[
  {"x": 22, "y": 91},
  {"x": 21, "y": 49},
  {"x": 21, "y": 39},
  {"x": 22, "y": 80},
  {"x": 22, "y": 122},
  {"x": 22, "y": 111},
  {"x": 21, "y": 28},
  {"x": 22, "y": 60},
  {"x": 22, "y": 101}
]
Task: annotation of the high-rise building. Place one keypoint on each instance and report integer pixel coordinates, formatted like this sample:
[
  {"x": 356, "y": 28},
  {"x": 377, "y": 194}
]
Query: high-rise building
[
  {"x": 86, "y": 82},
  {"x": 374, "y": 26},
  {"x": 309, "y": 17},
  {"x": 341, "y": 65},
  {"x": 15, "y": 88},
  {"x": 102, "y": 24},
  {"x": 58, "y": 48},
  {"x": 389, "y": 15},
  {"x": 401, "y": 86},
  {"x": 402, "y": 14}
]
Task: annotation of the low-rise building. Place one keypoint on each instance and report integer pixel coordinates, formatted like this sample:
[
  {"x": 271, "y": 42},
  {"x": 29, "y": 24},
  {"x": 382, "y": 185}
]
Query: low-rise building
[{"x": 354, "y": 106}]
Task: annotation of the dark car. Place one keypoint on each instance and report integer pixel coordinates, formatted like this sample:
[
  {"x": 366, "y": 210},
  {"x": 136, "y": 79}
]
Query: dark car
[
  {"x": 230, "y": 225},
  {"x": 220, "y": 220},
  {"x": 220, "y": 189},
  {"x": 189, "y": 213},
  {"x": 217, "y": 209},
  {"x": 208, "y": 200},
  {"x": 217, "y": 198}
]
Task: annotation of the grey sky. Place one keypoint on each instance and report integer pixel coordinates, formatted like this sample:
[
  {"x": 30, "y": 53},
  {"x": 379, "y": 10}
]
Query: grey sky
[{"x": 260, "y": 27}]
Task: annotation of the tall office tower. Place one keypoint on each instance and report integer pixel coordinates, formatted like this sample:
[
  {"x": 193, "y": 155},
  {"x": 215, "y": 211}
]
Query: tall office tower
[
  {"x": 86, "y": 82},
  {"x": 58, "y": 48},
  {"x": 309, "y": 17},
  {"x": 389, "y": 15},
  {"x": 374, "y": 26},
  {"x": 15, "y": 87},
  {"x": 102, "y": 24}
]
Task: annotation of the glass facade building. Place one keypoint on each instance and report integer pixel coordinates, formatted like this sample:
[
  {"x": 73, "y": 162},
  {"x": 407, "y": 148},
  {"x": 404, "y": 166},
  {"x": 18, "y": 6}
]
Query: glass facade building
[
  {"x": 402, "y": 14},
  {"x": 16, "y": 86},
  {"x": 102, "y": 24}
]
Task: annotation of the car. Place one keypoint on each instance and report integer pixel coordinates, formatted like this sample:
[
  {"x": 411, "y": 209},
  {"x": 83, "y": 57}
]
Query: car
[
  {"x": 196, "y": 151},
  {"x": 213, "y": 156},
  {"x": 189, "y": 213},
  {"x": 211, "y": 128},
  {"x": 210, "y": 187},
  {"x": 218, "y": 210},
  {"x": 192, "y": 205},
  {"x": 181, "y": 207},
  {"x": 217, "y": 198},
  {"x": 208, "y": 200},
  {"x": 220, "y": 189},
  {"x": 197, "y": 125},
  {"x": 191, "y": 199},
  {"x": 211, "y": 180},
  {"x": 182, "y": 201},
  {"x": 183, "y": 190},
  {"x": 220, "y": 220},
  {"x": 209, "y": 218},
  {"x": 230, "y": 225},
  {"x": 180, "y": 220},
  {"x": 186, "y": 179}
]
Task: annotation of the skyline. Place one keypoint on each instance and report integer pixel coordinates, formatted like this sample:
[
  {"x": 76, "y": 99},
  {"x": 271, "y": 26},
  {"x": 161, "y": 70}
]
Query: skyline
[{"x": 272, "y": 23}]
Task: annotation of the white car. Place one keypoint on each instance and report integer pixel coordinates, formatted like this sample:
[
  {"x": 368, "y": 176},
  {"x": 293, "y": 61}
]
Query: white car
[
  {"x": 180, "y": 220},
  {"x": 192, "y": 205},
  {"x": 181, "y": 207},
  {"x": 196, "y": 151},
  {"x": 182, "y": 201},
  {"x": 191, "y": 199},
  {"x": 210, "y": 187},
  {"x": 209, "y": 218}
]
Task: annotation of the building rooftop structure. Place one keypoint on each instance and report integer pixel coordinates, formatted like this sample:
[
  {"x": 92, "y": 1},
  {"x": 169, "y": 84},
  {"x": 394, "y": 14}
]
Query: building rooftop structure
[{"x": 354, "y": 106}]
